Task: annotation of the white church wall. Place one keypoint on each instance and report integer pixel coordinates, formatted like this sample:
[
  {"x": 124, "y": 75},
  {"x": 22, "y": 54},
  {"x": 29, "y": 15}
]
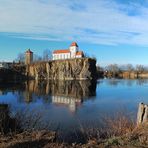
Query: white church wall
[
  {"x": 78, "y": 56},
  {"x": 70, "y": 53},
  {"x": 61, "y": 56}
]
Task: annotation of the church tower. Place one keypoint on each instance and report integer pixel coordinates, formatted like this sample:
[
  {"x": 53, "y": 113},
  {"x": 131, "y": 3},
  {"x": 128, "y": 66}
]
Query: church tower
[
  {"x": 28, "y": 57},
  {"x": 73, "y": 49}
]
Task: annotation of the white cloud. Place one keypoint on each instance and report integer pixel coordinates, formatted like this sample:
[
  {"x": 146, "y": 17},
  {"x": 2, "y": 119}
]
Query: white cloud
[{"x": 100, "y": 22}]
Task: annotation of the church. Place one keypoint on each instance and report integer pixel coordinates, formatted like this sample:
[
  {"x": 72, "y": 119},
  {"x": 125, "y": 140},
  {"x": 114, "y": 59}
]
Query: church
[{"x": 72, "y": 52}]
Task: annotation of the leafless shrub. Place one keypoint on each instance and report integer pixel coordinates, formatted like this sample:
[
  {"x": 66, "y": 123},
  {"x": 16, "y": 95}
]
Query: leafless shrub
[
  {"x": 118, "y": 125},
  {"x": 31, "y": 119},
  {"x": 8, "y": 124}
]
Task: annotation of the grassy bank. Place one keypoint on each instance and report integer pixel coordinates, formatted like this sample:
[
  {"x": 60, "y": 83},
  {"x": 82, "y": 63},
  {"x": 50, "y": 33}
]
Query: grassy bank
[
  {"x": 119, "y": 131},
  {"x": 138, "y": 137}
]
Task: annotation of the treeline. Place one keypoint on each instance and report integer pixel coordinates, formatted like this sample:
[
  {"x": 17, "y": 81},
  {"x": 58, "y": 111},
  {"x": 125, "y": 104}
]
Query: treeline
[
  {"x": 16, "y": 73},
  {"x": 122, "y": 71},
  {"x": 46, "y": 56}
]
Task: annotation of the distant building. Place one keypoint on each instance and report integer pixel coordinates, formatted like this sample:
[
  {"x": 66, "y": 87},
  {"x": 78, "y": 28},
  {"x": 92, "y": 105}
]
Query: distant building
[
  {"x": 72, "y": 52},
  {"x": 4, "y": 65},
  {"x": 28, "y": 57}
]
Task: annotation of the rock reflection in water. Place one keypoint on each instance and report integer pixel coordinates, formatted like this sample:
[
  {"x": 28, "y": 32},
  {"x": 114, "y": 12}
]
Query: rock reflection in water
[
  {"x": 67, "y": 93},
  {"x": 72, "y": 93}
]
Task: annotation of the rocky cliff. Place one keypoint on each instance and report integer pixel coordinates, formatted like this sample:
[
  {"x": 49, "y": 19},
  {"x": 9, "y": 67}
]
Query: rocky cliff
[{"x": 70, "y": 69}]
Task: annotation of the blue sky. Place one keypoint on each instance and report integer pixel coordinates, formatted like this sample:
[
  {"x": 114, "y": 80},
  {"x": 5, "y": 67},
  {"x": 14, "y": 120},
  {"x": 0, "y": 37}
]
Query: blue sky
[{"x": 114, "y": 31}]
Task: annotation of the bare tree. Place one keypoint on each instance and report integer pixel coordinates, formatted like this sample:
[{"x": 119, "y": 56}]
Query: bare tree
[
  {"x": 100, "y": 71},
  {"x": 20, "y": 58},
  {"x": 129, "y": 67},
  {"x": 140, "y": 68},
  {"x": 113, "y": 69},
  {"x": 46, "y": 55},
  {"x": 37, "y": 58}
]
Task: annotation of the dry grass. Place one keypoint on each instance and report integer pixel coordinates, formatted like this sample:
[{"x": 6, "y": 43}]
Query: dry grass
[
  {"x": 116, "y": 126},
  {"x": 118, "y": 131},
  {"x": 119, "y": 125},
  {"x": 45, "y": 139}
]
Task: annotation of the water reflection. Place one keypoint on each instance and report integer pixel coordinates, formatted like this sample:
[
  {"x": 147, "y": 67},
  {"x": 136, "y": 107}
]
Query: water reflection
[
  {"x": 51, "y": 103},
  {"x": 68, "y": 93},
  {"x": 127, "y": 82},
  {"x": 65, "y": 93}
]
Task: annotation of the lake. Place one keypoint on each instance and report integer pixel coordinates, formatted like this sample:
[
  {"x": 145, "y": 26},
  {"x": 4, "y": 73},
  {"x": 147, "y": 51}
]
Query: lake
[{"x": 69, "y": 105}]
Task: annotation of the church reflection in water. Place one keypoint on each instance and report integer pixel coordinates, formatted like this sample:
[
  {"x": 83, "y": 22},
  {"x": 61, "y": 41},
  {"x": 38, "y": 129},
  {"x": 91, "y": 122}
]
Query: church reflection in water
[{"x": 67, "y": 93}]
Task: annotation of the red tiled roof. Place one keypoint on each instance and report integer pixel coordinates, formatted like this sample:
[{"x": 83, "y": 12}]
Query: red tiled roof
[
  {"x": 79, "y": 53},
  {"x": 74, "y": 44},
  {"x": 29, "y": 51},
  {"x": 61, "y": 51}
]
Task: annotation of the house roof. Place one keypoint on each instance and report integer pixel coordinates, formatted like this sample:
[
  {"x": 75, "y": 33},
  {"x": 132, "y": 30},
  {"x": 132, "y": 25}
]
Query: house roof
[
  {"x": 66, "y": 51},
  {"x": 29, "y": 51},
  {"x": 61, "y": 51},
  {"x": 74, "y": 44}
]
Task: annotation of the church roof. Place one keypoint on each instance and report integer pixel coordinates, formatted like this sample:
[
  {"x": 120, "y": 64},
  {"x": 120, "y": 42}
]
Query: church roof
[
  {"x": 66, "y": 51},
  {"x": 61, "y": 51},
  {"x": 74, "y": 44}
]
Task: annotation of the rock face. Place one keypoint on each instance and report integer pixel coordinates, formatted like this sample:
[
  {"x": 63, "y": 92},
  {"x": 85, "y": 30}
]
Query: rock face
[{"x": 82, "y": 68}]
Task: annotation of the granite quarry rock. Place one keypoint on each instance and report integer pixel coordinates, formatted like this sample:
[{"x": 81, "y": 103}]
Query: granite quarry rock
[{"x": 70, "y": 69}]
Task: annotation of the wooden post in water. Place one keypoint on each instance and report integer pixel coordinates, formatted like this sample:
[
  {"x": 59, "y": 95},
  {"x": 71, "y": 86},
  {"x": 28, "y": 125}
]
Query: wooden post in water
[{"x": 142, "y": 115}]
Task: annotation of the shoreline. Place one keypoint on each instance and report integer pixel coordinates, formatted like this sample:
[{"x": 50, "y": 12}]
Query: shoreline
[{"x": 138, "y": 137}]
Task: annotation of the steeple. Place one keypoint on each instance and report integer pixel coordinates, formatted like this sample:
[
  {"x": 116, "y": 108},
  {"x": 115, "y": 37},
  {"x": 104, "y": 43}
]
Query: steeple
[{"x": 74, "y": 44}]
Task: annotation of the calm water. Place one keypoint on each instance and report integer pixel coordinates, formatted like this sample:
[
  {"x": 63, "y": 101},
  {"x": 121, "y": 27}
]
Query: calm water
[{"x": 68, "y": 105}]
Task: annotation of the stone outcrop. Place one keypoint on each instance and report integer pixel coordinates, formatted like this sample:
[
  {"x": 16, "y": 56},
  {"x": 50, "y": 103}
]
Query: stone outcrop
[{"x": 79, "y": 69}]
